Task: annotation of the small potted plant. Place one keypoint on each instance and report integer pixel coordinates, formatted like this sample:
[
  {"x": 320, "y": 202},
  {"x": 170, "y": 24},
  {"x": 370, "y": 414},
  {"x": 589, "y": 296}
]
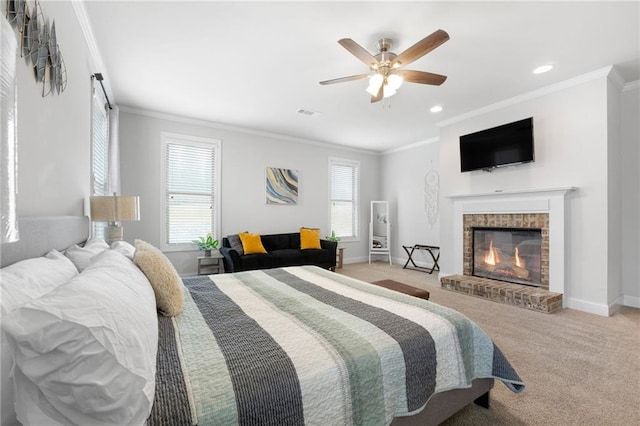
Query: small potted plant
[
  {"x": 333, "y": 237},
  {"x": 206, "y": 243}
]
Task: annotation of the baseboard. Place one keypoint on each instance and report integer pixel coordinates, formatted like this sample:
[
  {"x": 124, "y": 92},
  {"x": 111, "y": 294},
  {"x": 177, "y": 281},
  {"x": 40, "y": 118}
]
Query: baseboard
[
  {"x": 589, "y": 307},
  {"x": 348, "y": 260},
  {"x": 631, "y": 301}
]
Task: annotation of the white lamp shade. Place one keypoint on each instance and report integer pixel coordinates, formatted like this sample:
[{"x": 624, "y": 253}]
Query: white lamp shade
[
  {"x": 395, "y": 81},
  {"x": 112, "y": 208},
  {"x": 375, "y": 81},
  {"x": 388, "y": 91}
]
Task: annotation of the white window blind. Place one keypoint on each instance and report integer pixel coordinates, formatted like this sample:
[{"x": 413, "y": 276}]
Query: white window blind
[
  {"x": 100, "y": 147},
  {"x": 343, "y": 176},
  {"x": 190, "y": 190},
  {"x": 99, "y": 153}
]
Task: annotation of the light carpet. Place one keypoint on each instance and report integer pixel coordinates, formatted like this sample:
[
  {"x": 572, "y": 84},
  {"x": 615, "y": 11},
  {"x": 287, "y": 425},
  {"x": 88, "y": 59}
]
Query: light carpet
[{"x": 578, "y": 368}]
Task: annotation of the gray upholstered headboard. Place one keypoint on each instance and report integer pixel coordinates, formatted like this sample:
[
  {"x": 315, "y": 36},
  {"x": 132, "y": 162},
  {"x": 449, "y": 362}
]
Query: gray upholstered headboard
[{"x": 40, "y": 234}]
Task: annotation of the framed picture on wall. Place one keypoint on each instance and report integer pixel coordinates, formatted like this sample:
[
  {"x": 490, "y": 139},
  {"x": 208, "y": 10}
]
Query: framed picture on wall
[{"x": 281, "y": 186}]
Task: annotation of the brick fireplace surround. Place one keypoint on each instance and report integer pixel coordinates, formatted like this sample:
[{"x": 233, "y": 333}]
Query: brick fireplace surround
[
  {"x": 519, "y": 209},
  {"x": 518, "y": 220}
]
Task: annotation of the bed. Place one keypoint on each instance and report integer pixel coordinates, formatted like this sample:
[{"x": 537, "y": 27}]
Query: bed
[{"x": 296, "y": 345}]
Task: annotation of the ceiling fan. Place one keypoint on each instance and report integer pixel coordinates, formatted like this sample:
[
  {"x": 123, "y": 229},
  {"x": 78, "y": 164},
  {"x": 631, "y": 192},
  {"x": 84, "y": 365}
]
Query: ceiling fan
[{"x": 386, "y": 74}]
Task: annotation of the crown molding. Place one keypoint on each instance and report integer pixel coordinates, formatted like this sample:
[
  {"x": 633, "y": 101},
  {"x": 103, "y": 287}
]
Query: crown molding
[
  {"x": 411, "y": 146},
  {"x": 581, "y": 79},
  {"x": 632, "y": 85},
  {"x": 92, "y": 46},
  {"x": 220, "y": 126},
  {"x": 615, "y": 78}
]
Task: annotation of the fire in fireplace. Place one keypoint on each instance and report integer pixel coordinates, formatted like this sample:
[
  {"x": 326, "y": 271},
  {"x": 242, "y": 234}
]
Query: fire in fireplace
[{"x": 508, "y": 254}]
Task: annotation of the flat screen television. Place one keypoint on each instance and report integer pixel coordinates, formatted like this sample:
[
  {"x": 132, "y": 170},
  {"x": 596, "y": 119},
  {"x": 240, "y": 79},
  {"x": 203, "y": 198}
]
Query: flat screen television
[{"x": 500, "y": 146}]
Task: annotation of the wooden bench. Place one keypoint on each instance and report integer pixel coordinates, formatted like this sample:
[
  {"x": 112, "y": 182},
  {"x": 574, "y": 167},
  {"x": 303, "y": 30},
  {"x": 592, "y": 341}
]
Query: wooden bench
[{"x": 403, "y": 288}]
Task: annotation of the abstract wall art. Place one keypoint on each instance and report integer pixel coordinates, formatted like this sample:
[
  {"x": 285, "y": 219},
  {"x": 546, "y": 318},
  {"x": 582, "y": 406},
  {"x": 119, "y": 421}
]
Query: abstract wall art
[{"x": 281, "y": 186}]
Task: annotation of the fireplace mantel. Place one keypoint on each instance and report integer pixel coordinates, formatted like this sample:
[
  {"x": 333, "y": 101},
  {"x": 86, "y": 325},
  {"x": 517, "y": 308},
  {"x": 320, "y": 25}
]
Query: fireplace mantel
[
  {"x": 550, "y": 201},
  {"x": 538, "y": 192}
]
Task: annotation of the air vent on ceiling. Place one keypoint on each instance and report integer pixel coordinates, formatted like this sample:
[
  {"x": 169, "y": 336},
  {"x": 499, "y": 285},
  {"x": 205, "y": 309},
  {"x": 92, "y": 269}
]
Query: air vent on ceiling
[{"x": 307, "y": 112}]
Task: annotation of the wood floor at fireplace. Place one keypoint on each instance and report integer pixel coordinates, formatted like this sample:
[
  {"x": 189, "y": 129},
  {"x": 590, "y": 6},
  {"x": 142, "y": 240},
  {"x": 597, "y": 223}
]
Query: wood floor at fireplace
[{"x": 528, "y": 297}]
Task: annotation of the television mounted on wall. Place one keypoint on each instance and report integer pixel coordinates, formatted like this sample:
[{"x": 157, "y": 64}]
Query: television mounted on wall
[{"x": 500, "y": 146}]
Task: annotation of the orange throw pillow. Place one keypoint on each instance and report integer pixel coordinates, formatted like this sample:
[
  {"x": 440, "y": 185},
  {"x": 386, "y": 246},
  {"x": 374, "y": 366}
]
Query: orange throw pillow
[
  {"x": 309, "y": 238},
  {"x": 251, "y": 243}
]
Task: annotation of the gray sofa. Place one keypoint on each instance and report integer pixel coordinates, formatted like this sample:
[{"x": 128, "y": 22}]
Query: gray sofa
[{"x": 282, "y": 250}]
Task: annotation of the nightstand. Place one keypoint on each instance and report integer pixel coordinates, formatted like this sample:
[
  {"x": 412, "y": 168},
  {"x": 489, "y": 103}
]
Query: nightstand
[{"x": 208, "y": 265}]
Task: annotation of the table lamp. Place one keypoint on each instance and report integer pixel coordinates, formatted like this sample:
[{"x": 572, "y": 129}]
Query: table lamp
[{"x": 114, "y": 209}]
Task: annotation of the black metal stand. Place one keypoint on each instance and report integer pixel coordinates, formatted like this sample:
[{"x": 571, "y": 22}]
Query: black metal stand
[{"x": 430, "y": 250}]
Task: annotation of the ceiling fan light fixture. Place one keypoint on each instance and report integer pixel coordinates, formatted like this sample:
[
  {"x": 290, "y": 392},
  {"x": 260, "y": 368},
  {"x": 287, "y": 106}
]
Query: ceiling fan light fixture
[
  {"x": 388, "y": 91},
  {"x": 375, "y": 81},
  {"x": 394, "y": 81}
]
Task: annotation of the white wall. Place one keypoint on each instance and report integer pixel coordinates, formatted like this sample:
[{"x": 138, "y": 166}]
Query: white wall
[
  {"x": 244, "y": 158},
  {"x": 630, "y": 184},
  {"x": 54, "y": 132},
  {"x": 570, "y": 130},
  {"x": 403, "y": 185}
]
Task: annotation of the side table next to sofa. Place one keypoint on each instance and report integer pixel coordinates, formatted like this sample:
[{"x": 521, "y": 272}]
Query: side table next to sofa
[{"x": 208, "y": 265}]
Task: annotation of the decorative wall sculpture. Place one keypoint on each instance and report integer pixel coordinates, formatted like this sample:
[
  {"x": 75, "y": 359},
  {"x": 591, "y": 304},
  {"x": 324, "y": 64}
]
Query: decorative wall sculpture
[
  {"x": 38, "y": 44},
  {"x": 281, "y": 186}
]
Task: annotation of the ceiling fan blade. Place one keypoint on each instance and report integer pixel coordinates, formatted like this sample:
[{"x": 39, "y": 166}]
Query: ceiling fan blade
[
  {"x": 343, "y": 79},
  {"x": 421, "y": 77},
  {"x": 359, "y": 52},
  {"x": 378, "y": 96},
  {"x": 422, "y": 47}
]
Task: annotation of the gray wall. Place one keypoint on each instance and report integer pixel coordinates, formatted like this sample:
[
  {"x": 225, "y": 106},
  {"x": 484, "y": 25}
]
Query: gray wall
[
  {"x": 630, "y": 184},
  {"x": 403, "y": 186},
  {"x": 54, "y": 132},
  {"x": 244, "y": 157}
]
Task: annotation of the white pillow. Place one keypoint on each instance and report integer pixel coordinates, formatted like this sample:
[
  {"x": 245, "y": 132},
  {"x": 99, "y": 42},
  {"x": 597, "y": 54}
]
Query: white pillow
[
  {"x": 81, "y": 256},
  {"x": 19, "y": 284},
  {"x": 31, "y": 278},
  {"x": 85, "y": 353},
  {"x": 124, "y": 248}
]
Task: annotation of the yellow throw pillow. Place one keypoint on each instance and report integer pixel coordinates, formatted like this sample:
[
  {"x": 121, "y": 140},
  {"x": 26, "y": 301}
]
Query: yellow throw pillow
[
  {"x": 251, "y": 243},
  {"x": 309, "y": 238}
]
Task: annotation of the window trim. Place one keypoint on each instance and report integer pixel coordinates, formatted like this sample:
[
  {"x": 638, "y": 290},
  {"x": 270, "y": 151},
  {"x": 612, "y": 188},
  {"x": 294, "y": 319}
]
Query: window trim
[
  {"x": 165, "y": 138},
  {"x": 350, "y": 163}
]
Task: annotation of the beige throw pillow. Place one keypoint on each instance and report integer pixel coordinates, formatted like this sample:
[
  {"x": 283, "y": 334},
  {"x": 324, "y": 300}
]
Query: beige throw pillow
[{"x": 166, "y": 283}]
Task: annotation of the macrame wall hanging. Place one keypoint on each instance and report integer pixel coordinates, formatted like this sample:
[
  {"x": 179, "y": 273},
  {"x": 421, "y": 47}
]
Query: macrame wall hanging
[{"x": 431, "y": 195}]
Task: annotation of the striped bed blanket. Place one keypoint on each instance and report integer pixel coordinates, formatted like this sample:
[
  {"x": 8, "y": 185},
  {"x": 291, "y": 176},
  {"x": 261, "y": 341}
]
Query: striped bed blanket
[{"x": 302, "y": 345}]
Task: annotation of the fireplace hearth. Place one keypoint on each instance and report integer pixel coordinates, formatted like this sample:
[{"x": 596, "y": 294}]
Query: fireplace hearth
[{"x": 508, "y": 254}]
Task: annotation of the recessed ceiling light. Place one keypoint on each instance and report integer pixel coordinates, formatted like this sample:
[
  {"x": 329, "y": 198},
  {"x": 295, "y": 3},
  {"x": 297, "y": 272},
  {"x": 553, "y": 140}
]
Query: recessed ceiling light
[
  {"x": 543, "y": 68},
  {"x": 436, "y": 108}
]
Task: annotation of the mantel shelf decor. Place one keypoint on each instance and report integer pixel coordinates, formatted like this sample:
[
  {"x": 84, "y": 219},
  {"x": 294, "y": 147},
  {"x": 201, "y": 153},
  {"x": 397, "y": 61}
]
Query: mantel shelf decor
[{"x": 38, "y": 44}]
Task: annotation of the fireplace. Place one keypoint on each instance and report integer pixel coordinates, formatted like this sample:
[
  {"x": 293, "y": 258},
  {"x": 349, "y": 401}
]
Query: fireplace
[
  {"x": 542, "y": 210},
  {"x": 504, "y": 232},
  {"x": 508, "y": 254}
]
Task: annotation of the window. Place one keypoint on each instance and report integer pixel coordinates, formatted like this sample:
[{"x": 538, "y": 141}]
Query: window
[
  {"x": 190, "y": 190},
  {"x": 343, "y": 197},
  {"x": 99, "y": 152}
]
